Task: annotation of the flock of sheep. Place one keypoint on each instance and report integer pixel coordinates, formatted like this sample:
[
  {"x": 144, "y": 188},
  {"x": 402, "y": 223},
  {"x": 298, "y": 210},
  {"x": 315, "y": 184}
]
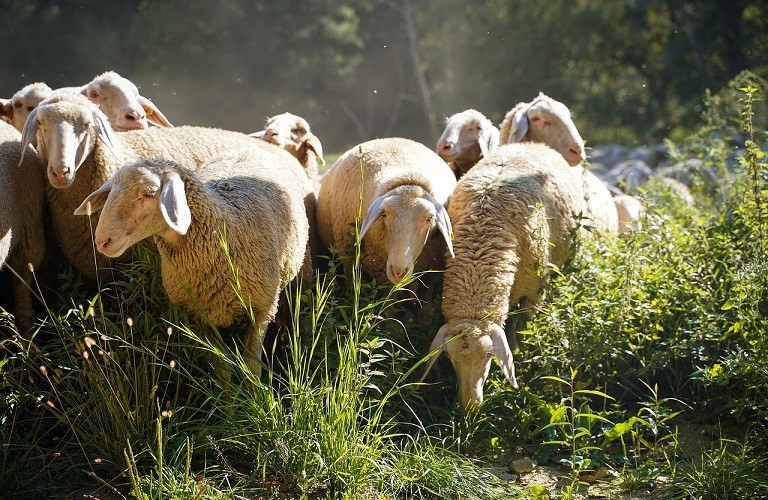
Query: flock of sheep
[{"x": 494, "y": 208}]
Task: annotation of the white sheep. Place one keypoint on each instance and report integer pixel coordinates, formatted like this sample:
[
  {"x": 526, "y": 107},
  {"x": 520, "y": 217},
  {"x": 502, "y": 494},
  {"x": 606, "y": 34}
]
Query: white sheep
[
  {"x": 630, "y": 211},
  {"x": 253, "y": 199},
  {"x": 512, "y": 217},
  {"x": 22, "y": 240},
  {"x": 403, "y": 186},
  {"x": 467, "y": 137},
  {"x": 117, "y": 97},
  {"x": 80, "y": 152},
  {"x": 547, "y": 121},
  {"x": 292, "y": 133},
  {"x": 16, "y": 109}
]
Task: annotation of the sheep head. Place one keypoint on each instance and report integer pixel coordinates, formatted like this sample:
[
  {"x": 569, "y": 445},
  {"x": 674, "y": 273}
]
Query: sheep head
[
  {"x": 141, "y": 199},
  {"x": 119, "y": 99},
  {"x": 468, "y": 136},
  {"x": 292, "y": 133},
  {"x": 471, "y": 344},
  {"x": 407, "y": 216},
  {"x": 16, "y": 109},
  {"x": 547, "y": 121},
  {"x": 66, "y": 127}
]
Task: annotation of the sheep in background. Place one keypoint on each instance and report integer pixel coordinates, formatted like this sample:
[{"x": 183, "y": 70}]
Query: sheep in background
[
  {"x": 22, "y": 239},
  {"x": 547, "y": 121},
  {"x": 630, "y": 210},
  {"x": 252, "y": 198},
  {"x": 468, "y": 136},
  {"x": 292, "y": 133},
  {"x": 512, "y": 217},
  {"x": 16, "y": 109},
  {"x": 404, "y": 187},
  {"x": 80, "y": 152},
  {"x": 117, "y": 97}
]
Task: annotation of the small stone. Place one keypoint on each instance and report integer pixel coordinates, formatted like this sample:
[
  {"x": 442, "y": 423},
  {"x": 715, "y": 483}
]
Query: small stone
[{"x": 522, "y": 465}]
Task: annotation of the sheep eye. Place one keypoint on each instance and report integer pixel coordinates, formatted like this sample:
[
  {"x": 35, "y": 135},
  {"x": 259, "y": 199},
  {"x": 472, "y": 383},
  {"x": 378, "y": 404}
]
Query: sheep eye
[
  {"x": 94, "y": 95},
  {"x": 148, "y": 193},
  {"x": 17, "y": 105},
  {"x": 383, "y": 214}
]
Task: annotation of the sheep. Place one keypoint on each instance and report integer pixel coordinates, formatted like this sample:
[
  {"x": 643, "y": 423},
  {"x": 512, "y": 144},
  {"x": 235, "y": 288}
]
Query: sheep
[
  {"x": 16, "y": 109},
  {"x": 547, "y": 121},
  {"x": 253, "y": 199},
  {"x": 401, "y": 187},
  {"x": 22, "y": 240},
  {"x": 81, "y": 152},
  {"x": 119, "y": 99},
  {"x": 512, "y": 217},
  {"x": 467, "y": 137},
  {"x": 630, "y": 210},
  {"x": 115, "y": 95},
  {"x": 292, "y": 133}
]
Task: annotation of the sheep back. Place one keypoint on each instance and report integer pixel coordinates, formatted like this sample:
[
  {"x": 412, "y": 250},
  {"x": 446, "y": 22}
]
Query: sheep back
[{"x": 512, "y": 217}]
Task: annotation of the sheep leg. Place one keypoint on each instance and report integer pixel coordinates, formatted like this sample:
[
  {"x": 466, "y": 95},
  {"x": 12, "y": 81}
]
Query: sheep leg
[
  {"x": 252, "y": 345},
  {"x": 22, "y": 296}
]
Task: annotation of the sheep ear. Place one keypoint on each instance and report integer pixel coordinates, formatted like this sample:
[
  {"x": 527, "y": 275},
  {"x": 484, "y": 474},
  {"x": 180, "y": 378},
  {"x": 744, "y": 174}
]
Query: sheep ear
[
  {"x": 154, "y": 115},
  {"x": 503, "y": 353},
  {"x": 173, "y": 203},
  {"x": 437, "y": 345},
  {"x": 443, "y": 222},
  {"x": 313, "y": 143},
  {"x": 259, "y": 134},
  {"x": 489, "y": 140},
  {"x": 96, "y": 200},
  {"x": 28, "y": 133},
  {"x": 372, "y": 215},
  {"x": 105, "y": 133},
  {"x": 6, "y": 110},
  {"x": 519, "y": 125}
]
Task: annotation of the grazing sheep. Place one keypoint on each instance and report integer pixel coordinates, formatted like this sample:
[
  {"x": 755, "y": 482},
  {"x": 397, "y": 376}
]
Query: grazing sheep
[
  {"x": 468, "y": 136},
  {"x": 292, "y": 133},
  {"x": 117, "y": 97},
  {"x": 512, "y": 217},
  {"x": 22, "y": 240},
  {"x": 253, "y": 199},
  {"x": 16, "y": 109},
  {"x": 403, "y": 186},
  {"x": 81, "y": 152},
  {"x": 547, "y": 121}
]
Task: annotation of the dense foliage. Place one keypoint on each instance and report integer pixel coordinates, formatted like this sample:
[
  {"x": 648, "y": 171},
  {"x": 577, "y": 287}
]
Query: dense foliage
[{"x": 634, "y": 72}]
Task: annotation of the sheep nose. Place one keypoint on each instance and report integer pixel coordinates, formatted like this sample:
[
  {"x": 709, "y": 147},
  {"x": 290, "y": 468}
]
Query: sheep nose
[
  {"x": 103, "y": 243},
  {"x": 269, "y": 135},
  {"x": 61, "y": 173},
  {"x": 134, "y": 115},
  {"x": 397, "y": 274},
  {"x": 445, "y": 147}
]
